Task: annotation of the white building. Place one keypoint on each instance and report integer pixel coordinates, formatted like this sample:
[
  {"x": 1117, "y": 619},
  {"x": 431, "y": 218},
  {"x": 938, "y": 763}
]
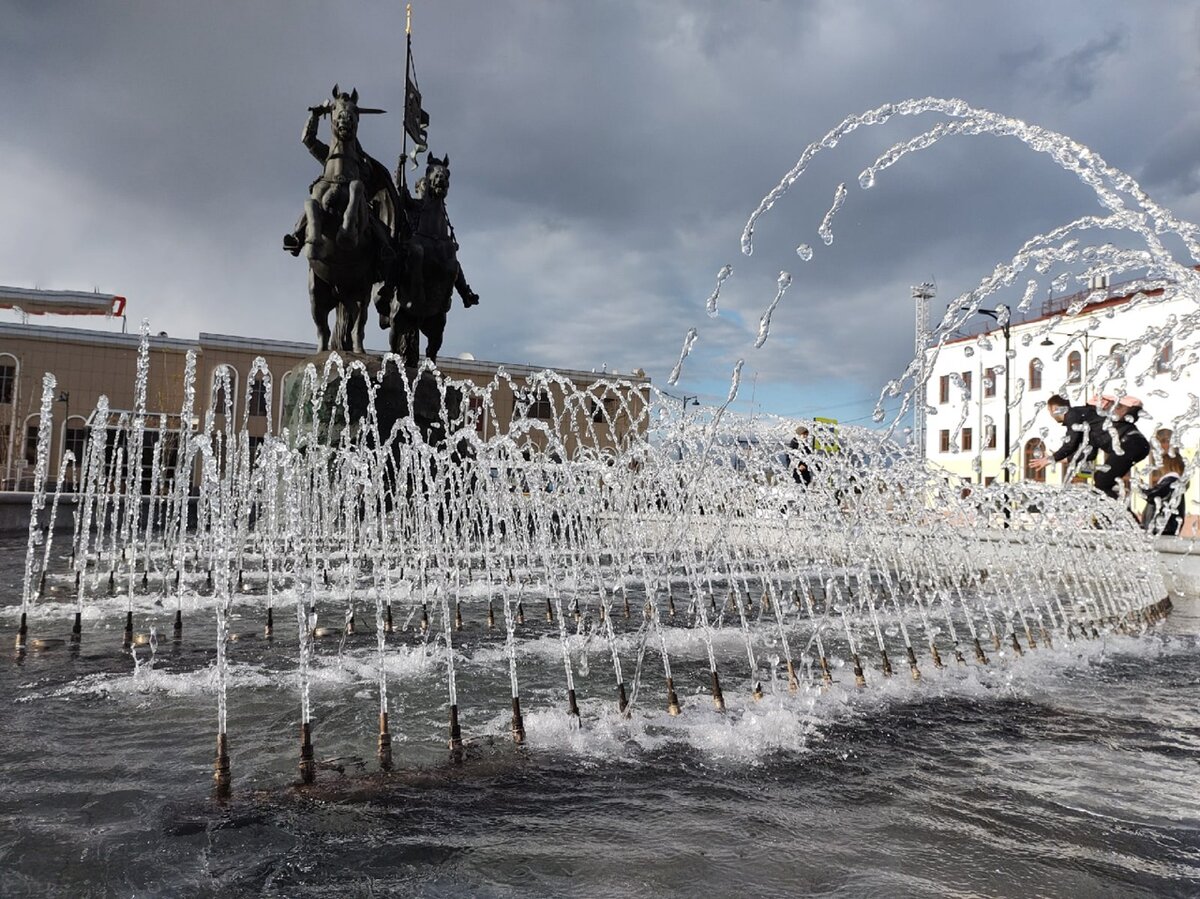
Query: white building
[{"x": 1118, "y": 343}]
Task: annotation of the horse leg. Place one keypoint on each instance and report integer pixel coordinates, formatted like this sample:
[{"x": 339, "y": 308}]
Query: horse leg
[
  {"x": 320, "y": 296},
  {"x": 434, "y": 328},
  {"x": 360, "y": 329},
  {"x": 314, "y": 240},
  {"x": 352, "y": 218},
  {"x": 410, "y": 347}
]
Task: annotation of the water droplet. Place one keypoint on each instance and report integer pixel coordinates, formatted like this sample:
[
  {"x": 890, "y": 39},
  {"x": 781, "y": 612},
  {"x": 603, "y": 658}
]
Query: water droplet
[{"x": 805, "y": 252}]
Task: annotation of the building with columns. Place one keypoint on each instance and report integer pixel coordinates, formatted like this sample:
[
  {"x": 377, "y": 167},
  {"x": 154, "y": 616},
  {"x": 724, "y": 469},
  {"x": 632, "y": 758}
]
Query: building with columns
[{"x": 88, "y": 364}]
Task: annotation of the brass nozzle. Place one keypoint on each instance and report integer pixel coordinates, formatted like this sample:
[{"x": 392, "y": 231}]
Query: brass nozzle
[
  {"x": 308, "y": 765},
  {"x": 385, "y": 743},
  {"x": 518, "y": 723},
  {"x": 221, "y": 775},
  {"x": 717, "y": 696}
]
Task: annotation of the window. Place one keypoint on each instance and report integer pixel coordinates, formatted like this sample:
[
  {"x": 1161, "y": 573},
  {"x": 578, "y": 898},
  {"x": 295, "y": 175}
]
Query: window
[
  {"x": 1162, "y": 364},
  {"x": 536, "y": 403},
  {"x": 966, "y": 379},
  {"x": 989, "y": 480},
  {"x": 258, "y": 398},
  {"x": 944, "y": 441},
  {"x": 1118, "y": 358},
  {"x": 1034, "y": 449},
  {"x": 3, "y": 444},
  {"x": 990, "y": 377},
  {"x": 31, "y": 440},
  {"x": 8, "y": 381},
  {"x": 255, "y": 445},
  {"x": 75, "y": 442},
  {"x": 602, "y": 410},
  {"x": 1035, "y": 374},
  {"x": 475, "y": 404},
  {"x": 1074, "y": 367},
  {"x": 224, "y": 390},
  {"x": 989, "y": 436},
  {"x": 944, "y": 389},
  {"x": 968, "y": 440}
]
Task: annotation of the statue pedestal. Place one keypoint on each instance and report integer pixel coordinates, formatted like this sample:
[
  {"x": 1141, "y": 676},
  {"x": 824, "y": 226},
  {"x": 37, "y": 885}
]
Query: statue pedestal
[{"x": 345, "y": 399}]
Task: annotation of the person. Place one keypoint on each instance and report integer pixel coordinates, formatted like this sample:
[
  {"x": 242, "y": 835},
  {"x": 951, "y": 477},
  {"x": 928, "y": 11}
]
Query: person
[
  {"x": 1123, "y": 444},
  {"x": 801, "y": 449},
  {"x": 1166, "y": 505},
  {"x": 1163, "y": 438},
  {"x": 1084, "y": 426}
]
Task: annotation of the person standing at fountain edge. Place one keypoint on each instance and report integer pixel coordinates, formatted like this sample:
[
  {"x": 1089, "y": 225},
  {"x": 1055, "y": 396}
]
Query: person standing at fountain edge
[
  {"x": 1084, "y": 426},
  {"x": 1123, "y": 444},
  {"x": 1165, "y": 503},
  {"x": 801, "y": 450}
]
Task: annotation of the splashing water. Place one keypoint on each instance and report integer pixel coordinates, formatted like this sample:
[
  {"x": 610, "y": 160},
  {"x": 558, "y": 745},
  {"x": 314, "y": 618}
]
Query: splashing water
[{"x": 710, "y": 306}]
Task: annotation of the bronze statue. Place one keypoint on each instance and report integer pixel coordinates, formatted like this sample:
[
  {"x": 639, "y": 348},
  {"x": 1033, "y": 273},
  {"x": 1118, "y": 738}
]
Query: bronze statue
[
  {"x": 348, "y": 227},
  {"x": 416, "y": 295}
]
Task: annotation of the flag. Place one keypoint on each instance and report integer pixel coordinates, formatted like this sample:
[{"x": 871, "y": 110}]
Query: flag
[{"x": 416, "y": 119}]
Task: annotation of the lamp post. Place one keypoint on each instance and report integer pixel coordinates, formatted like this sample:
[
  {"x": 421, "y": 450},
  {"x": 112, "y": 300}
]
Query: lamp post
[{"x": 1005, "y": 323}]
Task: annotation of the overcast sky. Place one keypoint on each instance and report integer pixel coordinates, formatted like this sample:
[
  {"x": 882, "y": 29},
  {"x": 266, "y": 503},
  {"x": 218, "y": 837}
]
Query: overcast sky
[{"x": 604, "y": 157}]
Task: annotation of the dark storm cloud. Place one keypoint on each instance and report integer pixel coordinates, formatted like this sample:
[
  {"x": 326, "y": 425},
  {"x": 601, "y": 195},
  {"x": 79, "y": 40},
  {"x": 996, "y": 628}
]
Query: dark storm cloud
[{"x": 604, "y": 157}]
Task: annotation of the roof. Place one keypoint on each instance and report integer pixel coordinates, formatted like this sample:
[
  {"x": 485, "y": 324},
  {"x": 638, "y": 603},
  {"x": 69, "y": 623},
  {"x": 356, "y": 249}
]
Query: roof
[
  {"x": 54, "y": 334},
  {"x": 33, "y": 301}
]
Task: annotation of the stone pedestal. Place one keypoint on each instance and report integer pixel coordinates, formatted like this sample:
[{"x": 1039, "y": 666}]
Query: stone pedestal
[{"x": 400, "y": 394}]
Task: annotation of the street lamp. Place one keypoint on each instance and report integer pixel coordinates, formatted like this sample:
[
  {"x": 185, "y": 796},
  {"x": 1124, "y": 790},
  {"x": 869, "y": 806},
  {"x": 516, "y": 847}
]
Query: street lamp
[
  {"x": 1087, "y": 337},
  {"x": 1005, "y": 323}
]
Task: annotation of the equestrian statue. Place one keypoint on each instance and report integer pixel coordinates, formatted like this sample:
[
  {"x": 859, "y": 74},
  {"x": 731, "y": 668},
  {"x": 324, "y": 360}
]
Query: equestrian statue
[
  {"x": 360, "y": 229},
  {"x": 417, "y": 294},
  {"x": 348, "y": 228}
]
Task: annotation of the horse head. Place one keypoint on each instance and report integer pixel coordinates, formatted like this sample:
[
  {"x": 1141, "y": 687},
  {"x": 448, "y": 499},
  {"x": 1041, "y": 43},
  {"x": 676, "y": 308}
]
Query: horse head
[
  {"x": 437, "y": 176},
  {"x": 343, "y": 113}
]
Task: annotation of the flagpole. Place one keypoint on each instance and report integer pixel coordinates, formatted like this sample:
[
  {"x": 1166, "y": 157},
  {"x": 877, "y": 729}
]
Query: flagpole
[{"x": 407, "y": 74}]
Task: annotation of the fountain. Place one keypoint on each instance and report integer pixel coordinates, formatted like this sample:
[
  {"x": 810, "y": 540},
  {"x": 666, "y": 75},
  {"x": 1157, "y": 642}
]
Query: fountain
[{"x": 688, "y": 582}]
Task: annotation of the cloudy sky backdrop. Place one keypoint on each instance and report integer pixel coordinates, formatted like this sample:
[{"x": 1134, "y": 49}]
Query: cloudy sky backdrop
[{"x": 605, "y": 157}]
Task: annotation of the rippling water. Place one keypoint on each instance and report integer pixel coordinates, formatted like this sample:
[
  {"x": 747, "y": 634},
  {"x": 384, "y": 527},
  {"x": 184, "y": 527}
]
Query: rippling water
[{"x": 1068, "y": 772}]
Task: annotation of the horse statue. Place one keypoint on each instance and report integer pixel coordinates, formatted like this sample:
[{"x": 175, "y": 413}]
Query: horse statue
[
  {"x": 425, "y": 272},
  {"x": 347, "y": 230}
]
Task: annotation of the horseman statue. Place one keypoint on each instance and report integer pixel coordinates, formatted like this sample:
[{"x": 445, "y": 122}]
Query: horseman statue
[
  {"x": 348, "y": 229},
  {"x": 424, "y": 272}
]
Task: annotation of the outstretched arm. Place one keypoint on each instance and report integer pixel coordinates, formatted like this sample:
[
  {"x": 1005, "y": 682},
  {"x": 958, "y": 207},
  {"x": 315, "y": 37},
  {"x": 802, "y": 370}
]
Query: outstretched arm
[{"x": 318, "y": 148}]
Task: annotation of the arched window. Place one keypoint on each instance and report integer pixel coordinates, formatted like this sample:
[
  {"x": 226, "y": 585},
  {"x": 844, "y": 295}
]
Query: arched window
[
  {"x": 224, "y": 403},
  {"x": 284, "y": 386},
  {"x": 1034, "y": 449},
  {"x": 73, "y": 436},
  {"x": 1162, "y": 364},
  {"x": 1074, "y": 367},
  {"x": 1035, "y": 374},
  {"x": 1117, "y": 358}
]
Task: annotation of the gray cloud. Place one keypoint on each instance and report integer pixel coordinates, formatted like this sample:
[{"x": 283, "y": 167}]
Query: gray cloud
[{"x": 605, "y": 157}]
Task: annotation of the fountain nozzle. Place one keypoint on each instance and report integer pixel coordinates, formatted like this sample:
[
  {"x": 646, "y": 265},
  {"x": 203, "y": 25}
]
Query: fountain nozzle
[
  {"x": 456, "y": 743},
  {"x": 221, "y": 775},
  {"x": 518, "y": 723},
  {"x": 308, "y": 766},
  {"x": 385, "y": 743},
  {"x": 717, "y": 695}
]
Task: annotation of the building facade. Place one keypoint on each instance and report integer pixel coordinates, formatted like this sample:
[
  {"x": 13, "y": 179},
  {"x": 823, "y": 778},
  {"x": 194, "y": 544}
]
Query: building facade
[
  {"x": 1118, "y": 343},
  {"x": 604, "y": 410}
]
